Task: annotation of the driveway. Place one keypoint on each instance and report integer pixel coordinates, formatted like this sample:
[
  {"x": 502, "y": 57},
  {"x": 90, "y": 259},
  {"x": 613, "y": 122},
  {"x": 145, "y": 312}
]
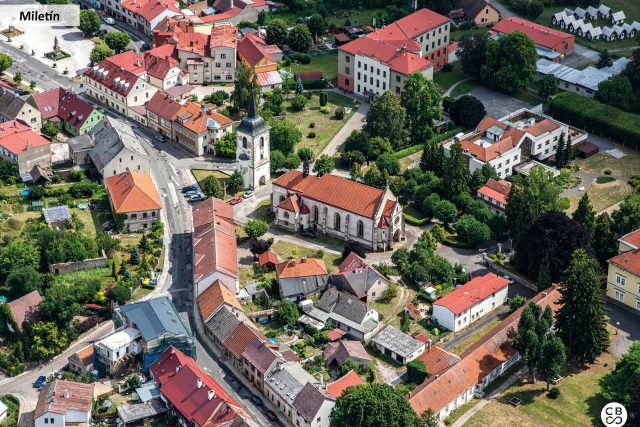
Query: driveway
[
  {"x": 355, "y": 122},
  {"x": 498, "y": 104}
]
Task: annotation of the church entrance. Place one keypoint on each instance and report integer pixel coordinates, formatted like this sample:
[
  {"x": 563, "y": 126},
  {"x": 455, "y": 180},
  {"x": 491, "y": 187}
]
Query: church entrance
[
  {"x": 396, "y": 236},
  {"x": 263, "y": 181}
]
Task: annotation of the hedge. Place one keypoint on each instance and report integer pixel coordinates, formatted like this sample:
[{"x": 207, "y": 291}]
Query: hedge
[
  {"x": 596, "y": 117},
  {"x": 415, "y": 148},
  {"x": 314, "y": 84}
]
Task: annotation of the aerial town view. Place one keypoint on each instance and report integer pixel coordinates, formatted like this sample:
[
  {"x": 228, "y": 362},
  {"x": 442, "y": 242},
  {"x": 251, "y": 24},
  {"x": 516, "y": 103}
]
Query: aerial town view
[{"x": 320, "y": 213}]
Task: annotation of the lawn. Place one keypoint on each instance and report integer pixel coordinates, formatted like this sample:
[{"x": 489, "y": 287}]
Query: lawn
[
  {"x": 247, "y": 275},
  {"x": 579, "y": 403},
  {"x": 627, "y": 166},
  {"x": 337, "y": 19},
  {"x": 473, "y": 338},
  {"x": 407, "y": 161},
  {"x": 602, "y": 195},
  {"x": 446, "y": 79},
  {"x": 286, "y": 250},
  {"x": 414, "y": 217},
  {"x": 464, "y": 88},
  {"x": 458, "y": 35},
  {"x": 326, "y": 125},
  {"x": 90, "y": 220},
  {"x": 201, "y": 174},
  {"x": 328, "y": 64}
]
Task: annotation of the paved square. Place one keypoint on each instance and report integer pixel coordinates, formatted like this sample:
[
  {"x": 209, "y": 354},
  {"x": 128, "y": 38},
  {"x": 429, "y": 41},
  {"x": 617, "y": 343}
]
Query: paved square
[{"x": 498, "y": 104}]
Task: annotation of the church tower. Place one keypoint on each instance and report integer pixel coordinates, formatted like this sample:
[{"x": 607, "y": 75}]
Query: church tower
[{"x": 252, "y": 151}]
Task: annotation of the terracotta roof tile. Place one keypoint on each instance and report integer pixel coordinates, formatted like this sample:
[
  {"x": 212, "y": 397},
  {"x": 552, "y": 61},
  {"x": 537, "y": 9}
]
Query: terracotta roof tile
[
  {"x": 335, "y": 334},
  {"x": 420, "y": 22},
  {"x": 133, "y": 192},
  {"x": 496, "y": 190},
  {"x": 437, "y": 360},
  {"x": 541, "y": 35},
  {"x": 543, "y": 127},
  {"x": 472, "y": 292},
  {"x": 253, "y": 49},
  {"x": 238, "y": 340},
  {"x": 163, "y": 106},
  {"x": 16, "y": 137},
  {"x": 85, "y": 355},
  {"x": 628, "y": 261},
  {"x": 60, "y": 396},
  {"x": 61, "y": 103},
  {"x": 351, "y": 262},
  {"x": 268, "y": 257},
  {"x": 25, "y": 308},
  {"x": 301, "y": 268},
  {"x": 197, "y": 118},
  {"x": 336, "y": 388},
  {"x": 632, "y": 239},
  {"x": 489, "y": 121},
  {"x": 215, "y": 296}
]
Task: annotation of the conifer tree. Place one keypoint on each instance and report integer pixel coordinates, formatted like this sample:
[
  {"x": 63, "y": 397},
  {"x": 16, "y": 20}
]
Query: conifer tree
[
  {"x": 134, "y": 256},
  {"x": 603, "y": 240},
  {"x": 585, "y": 213}
]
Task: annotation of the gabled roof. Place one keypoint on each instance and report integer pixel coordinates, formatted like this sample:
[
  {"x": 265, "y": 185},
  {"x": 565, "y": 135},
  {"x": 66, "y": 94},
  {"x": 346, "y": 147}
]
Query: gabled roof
[
  {"x": 10, "y": 104},
  {"x": 199, "y": 119},
  {"x": 150, "y": 9},
  {"x": 472, "y": 8},
  {"x": 215, "y": 296},
  {"x": 222, "y": 324},
  {"x": 113, "y": 76},
  {"x": 238, "y": 340},
  {"x": 268, "y": 257},
  {"x": 309, "y": 401},
  {"x": 194, "y": 394},
  {"x": 133, "y": 192},
  {"x": 253, "y": 49},
  {"x": 399, "y": 54},
  {"x": 303, "y": 267},
  {"x": 60, "y": 396},
  {"x": 336, "y": 388},
  {"x": 17, "y": 137},
  {"x": 351, "y": 262},
  {"x": 61, "y": 103},
  {"x": 496, "y": 190},
  {"x": 85, "y": 355},
  {"x": 163, "y": 106},
  {"x": 420, "y": 22},
  {"x": 261, "y": 356},
  {"x": 541, "y": 35},
  {"x": 472, "y": 292},
  {"x": 436, "y": 360},
  {"x": 543, "y": 127},
  {"x": 397, "y": 341},
  {"x": 509, "y": 139},
  {"x": 155, "y": 318},
  {"x": 628, "y": 261},
  {"x": 25, "y": 308},
  {"x": 111, "y": 137},
  {"x": 344, "y": 350},
  {"x": 632, "y": 239},
  {"x": 343, "y": 304}
]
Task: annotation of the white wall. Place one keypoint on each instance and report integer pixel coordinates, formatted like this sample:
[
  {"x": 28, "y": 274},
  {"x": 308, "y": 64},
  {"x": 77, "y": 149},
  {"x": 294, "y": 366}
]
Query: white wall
[
  {"x": 374, "y": 78},
  {"x": 504, "y": 163},
  {"x": 321, "y": 418},
  {"x": 127, "y": 160},
  {"x": 455, "y": 323},
  {"x": 54, "y": 420},
  {"x": 545, "y": 145}
]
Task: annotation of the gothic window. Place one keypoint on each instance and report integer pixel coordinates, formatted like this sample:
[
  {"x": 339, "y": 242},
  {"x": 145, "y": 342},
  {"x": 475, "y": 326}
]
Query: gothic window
[
  {"x": 316, "y": 214},
  {"x": 360, "y": 228},
  {"x": 262, "y": 143},
  {"x": 336, "y": 221},
  {"x": 244, "y": 142}
]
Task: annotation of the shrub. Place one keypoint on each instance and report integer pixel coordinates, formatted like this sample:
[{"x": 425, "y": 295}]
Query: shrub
[
  {"x": 554, "y": 393},
  {"x": 325, "y": 110},
  {"x": 311, "y": 135},
  {"x": 447, "y": 67},
  {"x": 340, "y": 113},
  {"x": 299, "y": 102},
  {"x": 604, "y": 179},
  {"x": 607, "y": 171},
  {"x": 312, "y": 125}
]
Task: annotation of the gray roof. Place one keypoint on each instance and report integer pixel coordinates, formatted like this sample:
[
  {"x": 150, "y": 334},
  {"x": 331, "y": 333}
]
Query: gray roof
[
  {"x": 140, "y": 411},
  {"x": 10, "y": 104},
  {"x": 309, "y": 401},
  {"x": 148, "y": 392},
  {"x": 57, "y": 213},
  {"x": 155, "y": 318},
  {"x": 592, "y": 11},
  {"x": 357, "y": 281},
  {"x": 397, "y": 341},
  {"x": 222, "y": 323},
  {"x": 580, "y": 12},
  {"x": 302, "y": 285},
  {"x": 252, "y": 124},
  {"x": 288, "y": 379},
  {"x": 80, "y": 143},
  {"x": 343, "y": 304},
  {"x": 589, "y": 78},
  {"x": 604, "y": 9},
  {"x": 616, "y": 16},
  {"x": 110, "y": 139}
]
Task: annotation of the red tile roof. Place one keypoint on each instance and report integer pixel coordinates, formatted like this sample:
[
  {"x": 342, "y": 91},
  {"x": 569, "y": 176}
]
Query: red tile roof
[
  {"x": 196, "y": 404},
  {"x": 133, "y": 192},
  {"x": 212, "y": 298},
  {"x": 437, "y": 360},
  {"x": 268, "y": 257},
  {"x": 632, "y": 239},
  {"x": 336, "y": 388},
  {"x": 113, "y": 76},
  {"x": 508, "y": 140},
  {"x": 158, "y": 66},
  {"x": 489, "y": 121},
  {"x": 335, "y": 191},
  {"x": 214, "y": 239},
  {"x": 304, "y": 267},
  {"x": 150, "y": 9},
  {"x": 253, "y": 49},
  {"x": 334, "y": 334},
  {"x": 85, "y": 355},
  {"x": 291, "y": 204},
  {"x": 163, "y": 106},
  {"x": 351, "y": 262},
  {"x": 628, "y": 261},
  {"x": 420, "y": 22},
  {"x": 386, "y": 51},
  {"x": 61, "y": 396},
  {"x": 63, "y": 104},
  {"x": 543, "y": 127},
  {"x": 238, "y": 340},
  {"x": 224, "y": 16},
  {"x": 413, "y": 311},
  {"x": 197, "y": 118},
  {"x": 16, "y": 137},
  {"x": 224, "y": 36},
  {"x": 477, "y": 361},
  {"x": 25, "y": 308},
  {"x": 541, "y": 35},
  {"x": 496, "y": 190},
  {"x": 472, "y": 292}
]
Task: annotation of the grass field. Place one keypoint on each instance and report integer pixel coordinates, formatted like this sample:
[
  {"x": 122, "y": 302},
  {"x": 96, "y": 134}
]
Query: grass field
[
  {"x": 446, "y": 79},
  {"x": 464, "y": 88},
  {"x": 286, "y": 250},
  {"x": 336, "y": 19},
  {"x": 627, "y": 166},
  {"x": 328, "y": 64},
  {"x": 579, "y": 403},
  {"x": 473, "y": 338},
  {"x": 201, "y": 174},
  {"x": 458, "y": 35},
  {"x": 326, "y": 125},
  {"x": 602, "y": 195}
]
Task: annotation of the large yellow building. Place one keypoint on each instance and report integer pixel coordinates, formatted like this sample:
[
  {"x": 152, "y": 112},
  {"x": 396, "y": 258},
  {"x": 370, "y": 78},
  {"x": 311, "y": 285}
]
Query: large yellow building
[{"x": 623, "y": 280}]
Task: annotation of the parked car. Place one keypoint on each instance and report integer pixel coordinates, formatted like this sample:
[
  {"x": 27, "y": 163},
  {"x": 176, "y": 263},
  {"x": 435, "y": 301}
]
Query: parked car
[
  {"x": 189, "y": 188},
  {"x": 271, "y": 415},
  {"x": 308, "y": 233},
  {"x": 191, "y": 193},
  {"x": 160, "y": 138},
  {"x": 236, "y": 201},
  {"x": 108, "y": 20},
  {"x": 247, "y": 194},
  {"x": 39, "y": 382},
  {"x": 145, "y": 46},
  {"x": 256, "y": 400},
  {"x": 196, "y": 197}
]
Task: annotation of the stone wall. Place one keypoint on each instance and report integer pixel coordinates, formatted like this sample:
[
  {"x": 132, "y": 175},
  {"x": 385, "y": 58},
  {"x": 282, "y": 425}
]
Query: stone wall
[{"x": 73, "y": 266}]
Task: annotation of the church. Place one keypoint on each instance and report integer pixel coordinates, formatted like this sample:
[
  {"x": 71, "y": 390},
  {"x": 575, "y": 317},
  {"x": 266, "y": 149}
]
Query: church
[
  {"x": 337, "y": 207},
  {"x": 252, "y": 152}
]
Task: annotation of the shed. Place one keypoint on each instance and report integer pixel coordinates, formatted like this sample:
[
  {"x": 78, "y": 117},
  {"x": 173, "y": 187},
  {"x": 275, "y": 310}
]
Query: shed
[
  {"x": 268, "y": 259},
  {"x": 394, "y": 343},
  {"x": 342, "y": 39},
  {"x": 587, "y": 149},
  {"x": 40, "y": 176},
  {"x": 57, "y": 217},
  {"x": 431, "y": 292}
]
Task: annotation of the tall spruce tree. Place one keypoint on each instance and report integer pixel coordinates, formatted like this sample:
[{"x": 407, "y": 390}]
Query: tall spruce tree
[
  {"x": 456, "y": 175},
  {"x": 581, "y": 321},
  {"x": 603, "y": 240},
  {"x": 561, "y": 161},
  {"x": 585, "y": 213},
  {"x": 533, "y": 333}
]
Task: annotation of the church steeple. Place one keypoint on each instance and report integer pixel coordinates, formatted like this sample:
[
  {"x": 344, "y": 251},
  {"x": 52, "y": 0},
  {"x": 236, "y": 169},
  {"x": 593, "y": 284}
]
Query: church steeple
[
  {"x": 252, "y": 111},
  {"x": 252, "y": 124},
  {"x": 252, "y": 152}
]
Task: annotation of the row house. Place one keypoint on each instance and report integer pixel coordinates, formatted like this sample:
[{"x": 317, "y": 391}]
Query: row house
[
  {"x": 63, "y": 403},
  {"x": 262, "y": 59},
  {"x": 21, "y": 145},
  {"x": 197, "y": 128},
  {"x": 134, "y": 198},
  {"x": 480, "y": 365},
  {"x": 66, "y": 110},
  {"x": 142, "y": 15},
  {"x": 338, "y": 207}
]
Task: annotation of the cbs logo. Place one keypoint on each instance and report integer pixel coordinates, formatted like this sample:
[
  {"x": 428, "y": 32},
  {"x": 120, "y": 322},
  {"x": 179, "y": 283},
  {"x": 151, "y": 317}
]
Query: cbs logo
[{"x": 613, "y": 415}]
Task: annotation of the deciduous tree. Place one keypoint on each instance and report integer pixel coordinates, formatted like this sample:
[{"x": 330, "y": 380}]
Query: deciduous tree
[
  {"x": 89, "y": 22},
  {"x": 547, "y": 86},
  {"x": 118, "y": 41},
  {"x": 256, "y": 228},
  {"x": 211, "y": 187},
  {"x": 552, "y": 357},
  {"x": 622, "y": 385},
  {"x": 467, "y": 111},
  {"x": 235, "y": 182},
  {"x": 510, "y": 63},
  {"x": 277, "y": 32},
  {"x": 284, "y": 136},
  {"x": 472, "y": 52},
  {"x": 5, "y": 62},
  {"x": 299, "y": 38},
  {"x": 423, "y": 104},
  {"x": 386, "y": 118},
  {"x": 323, "y": 165}
]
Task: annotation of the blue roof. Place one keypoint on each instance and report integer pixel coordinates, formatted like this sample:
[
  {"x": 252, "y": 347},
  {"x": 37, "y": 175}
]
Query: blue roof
[{"x": 155, "y": 318}]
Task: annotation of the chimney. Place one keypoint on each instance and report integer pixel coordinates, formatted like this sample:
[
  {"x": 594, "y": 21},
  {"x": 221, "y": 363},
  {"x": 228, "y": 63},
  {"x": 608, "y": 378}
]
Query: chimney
[
  {"x": 429, "y": 345},
  {"x": 303, "y": 259},
  {"x": 66, "y": 394},
  {"x": 177, "y": 369},
  {"x": 210, "y": 395},
  {"x": 321, "y": 381},
  {"x": 199, "y": 383}
]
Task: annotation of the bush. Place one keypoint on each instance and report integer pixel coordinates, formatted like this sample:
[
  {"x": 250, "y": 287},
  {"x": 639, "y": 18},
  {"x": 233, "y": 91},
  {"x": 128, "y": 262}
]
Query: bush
[
  {"x": 299, "y": 102},
  {"x": 311, "y": 135},
  {"x": 554, "y": 393},
  {"x": 312, "y": 125},
  {"x": 607, "y": 171},
  {"x": 325, "y": 110},
  {"x": 415, "y": 148},
  {"x": 447, "y": 67},
  {"x": 340, "y": 113},
  {"x": 314, "y": 84},
  {"x": 604, "y": 179}
]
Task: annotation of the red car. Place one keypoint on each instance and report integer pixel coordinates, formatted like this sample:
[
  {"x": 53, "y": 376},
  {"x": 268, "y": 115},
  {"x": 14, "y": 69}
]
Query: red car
[{"x": 236, "y": 201}]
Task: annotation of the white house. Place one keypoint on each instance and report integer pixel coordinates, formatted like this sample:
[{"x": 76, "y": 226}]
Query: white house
[
  {"x": 63, "y": 403},
  {"x": 470, "y": 301},
  {"x": 399, "y": 346},
  {"x": 116, "y": 350}
]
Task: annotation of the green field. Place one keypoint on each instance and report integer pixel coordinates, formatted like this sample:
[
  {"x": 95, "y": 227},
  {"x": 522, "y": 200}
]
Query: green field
[
  {"x": 336, "y": 19},
  {"x": 446, "y": 79},
  {"x": 328, "y": 64}
]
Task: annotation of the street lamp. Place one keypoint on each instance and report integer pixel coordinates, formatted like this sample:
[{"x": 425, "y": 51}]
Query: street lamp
[{"x": 617, "y": 327}]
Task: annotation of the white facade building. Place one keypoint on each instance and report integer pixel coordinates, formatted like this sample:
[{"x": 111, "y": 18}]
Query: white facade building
[{"x": 252, "y": 153}]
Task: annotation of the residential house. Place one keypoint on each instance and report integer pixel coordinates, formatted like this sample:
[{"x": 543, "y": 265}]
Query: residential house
[
  {"x": 312, "y": 406},
  {"x": 134, "y": 200},
  {"x": 300, "y": 279},
  {"x": 494, "y": 194},
  {"x": 160, "y": 325},
  {"x": 394, "y": 343},
  {"x": 358, "y": 278},
  {"x": 479, "y": 12},
  {"x": 62, "y": 403},
  {"x": 258, "y": 358},
  {"x": 551, "y": 44},
  {"x": 197, "y": 128},
  {"x": 584, "y": 82},
  {"x": 116, "y": 352},
  {"x": 66, "y": 111},
  {"x": 208, "y": 404},
  {"x": 470, "y": 302},
  {"x": 262, "y": 59},
  {"x": 23, "y": 309},
  {"x": 161, "y": 114},
  {"x": 481, "y": 365},
  {"x": 337, "y": 353},
  {"x": 337, "y": 387},
  {"x": 214, "y": 298},
  {"x": 220, "y": 325},
  {"x": 513, "y": 140},
  {"x": 79, "y": 150},
  {"x": 357, "y": 318},
  {"x": 117, "y": 149},
  {"x": 14, "y": 107},
  {"x": 437, "y": 360},
  {"x": 238, "y": 339},
  {"x": 81, "y": 362},
  {"x": 623, "y": 278},
  {"x": 214, "y": 245},
  {"x": 142, "y": 15},
  {"x": 338, "y": 207},
  {"x": 248, "y": 11},
  {"x": 20, "y": 144}
]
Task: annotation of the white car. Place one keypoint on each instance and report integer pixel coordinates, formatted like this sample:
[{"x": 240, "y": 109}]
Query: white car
[{"x": 109, "y": 21}]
